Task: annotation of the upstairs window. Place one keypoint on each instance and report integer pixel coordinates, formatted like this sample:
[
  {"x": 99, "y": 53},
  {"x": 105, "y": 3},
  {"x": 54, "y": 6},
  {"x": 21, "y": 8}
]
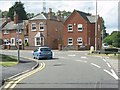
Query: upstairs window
[
  {"x": 20, "y": 31},
  {"x": 70, "y": 27},
  {"x": 41, "y": 26},
  {"x": 80, "y": 41},
  {"x": 80, "y": 27},
  {"x": 70, "y": 41},
  {"x": 6, "y": 32},
  {"x": 33, "y": 26}
]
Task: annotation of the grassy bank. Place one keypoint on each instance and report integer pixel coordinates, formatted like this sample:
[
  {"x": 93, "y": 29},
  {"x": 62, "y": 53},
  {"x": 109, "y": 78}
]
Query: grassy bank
[{"x": 7, "y": 61}]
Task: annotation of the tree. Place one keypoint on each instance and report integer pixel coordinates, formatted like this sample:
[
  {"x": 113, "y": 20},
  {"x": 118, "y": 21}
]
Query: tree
[
  {"x": 30, "y": 15},
  {"x": 65, "y": 14},
  {"x": 113, "y": 39},
  {"x": 18, "y": 7}
]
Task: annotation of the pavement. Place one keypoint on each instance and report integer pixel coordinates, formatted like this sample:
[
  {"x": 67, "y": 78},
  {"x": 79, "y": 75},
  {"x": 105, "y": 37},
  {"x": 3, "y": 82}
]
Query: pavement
[{"x": 23, "y": 66}]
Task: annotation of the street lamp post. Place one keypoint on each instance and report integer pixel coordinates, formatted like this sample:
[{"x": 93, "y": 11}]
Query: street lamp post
[
  {"x": 18, "y": 43},
  {"x": 96, "y": 28}
]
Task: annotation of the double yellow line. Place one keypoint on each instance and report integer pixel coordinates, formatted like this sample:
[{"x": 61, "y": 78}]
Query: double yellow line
[{"x": 10, "y": 85}]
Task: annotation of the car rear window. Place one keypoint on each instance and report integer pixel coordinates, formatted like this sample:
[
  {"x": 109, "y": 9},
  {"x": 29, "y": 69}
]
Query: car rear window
[{"x": 45, "y": 49}]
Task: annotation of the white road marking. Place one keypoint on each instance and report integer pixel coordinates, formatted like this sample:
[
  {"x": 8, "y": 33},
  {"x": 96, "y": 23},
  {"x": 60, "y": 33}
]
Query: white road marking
[
  {"x": 108, "y": 65},
  {"x": 84, "y": 57},
  {"x": 82, "y": 61},
  {"x": 112, "y": 73},
  {"x": 104, "y": 60},
  {"x": 95, "y": 65},
  {"x": 72, "y": 55}
]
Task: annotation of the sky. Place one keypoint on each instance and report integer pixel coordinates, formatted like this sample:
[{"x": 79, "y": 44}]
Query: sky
[{"x": 108, "y": 9}]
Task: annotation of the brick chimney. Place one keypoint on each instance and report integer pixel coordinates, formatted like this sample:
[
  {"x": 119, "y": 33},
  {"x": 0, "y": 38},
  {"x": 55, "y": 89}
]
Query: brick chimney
[
  {"x": 50, "y": 13},
  {"x": 15, "y": 18},
  {"x": 59, "y": 15}
]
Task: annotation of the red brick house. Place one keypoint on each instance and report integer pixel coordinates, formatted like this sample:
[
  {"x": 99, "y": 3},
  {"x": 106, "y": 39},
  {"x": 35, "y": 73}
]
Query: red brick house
[
  {"x": 3, "y": 22},
  {"x": 10, "y": 33},
  {"x": 45, "y": 30},
  {"x": 79, "y": 31}
]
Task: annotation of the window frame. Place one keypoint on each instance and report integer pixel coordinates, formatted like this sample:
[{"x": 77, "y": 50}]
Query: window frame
[
  {"x": 6, "y": 32},
  {"x": 79, "y": 27},
  {"x": 70, "y": 42},
  {"x": 34, "y": 26},
  {"x": 68, "y": 28},
  {"x": 41, "y": 25},
  {"x": 79, "y": 39}
]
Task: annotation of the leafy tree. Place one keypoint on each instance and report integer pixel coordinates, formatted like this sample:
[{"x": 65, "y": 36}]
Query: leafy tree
[
  {"x": 18, "y": 7},
  {"x": 65, "y": 14},
  {"x": 113, "y": 39},
  {"x": 30, "y": 15}
]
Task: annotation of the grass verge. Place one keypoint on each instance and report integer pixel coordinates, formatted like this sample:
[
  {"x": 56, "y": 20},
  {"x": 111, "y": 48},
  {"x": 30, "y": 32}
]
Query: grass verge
[{"x": 6, "y": 60}]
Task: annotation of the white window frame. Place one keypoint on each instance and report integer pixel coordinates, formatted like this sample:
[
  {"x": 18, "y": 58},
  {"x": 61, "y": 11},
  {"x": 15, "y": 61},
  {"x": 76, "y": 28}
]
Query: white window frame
[
  {"x": 36, "y": 41},
  {"x": 79, "y": 39},
  {"x": 20, "y": 41},
  {"x": 12, "y": 42},
  {"x": 34, "y": 26},
  {"x": 20, "y": 31},
  {"x": 40, "y": 38},
  {"x": 80, "y": 27},
  {"x": 7, "y": 42},
  {"x": 41, "y": 25},
  {"x": 70, "y": 27},
  {"x": 70, "y": 41},
  {"x": 6, "y": 32}
]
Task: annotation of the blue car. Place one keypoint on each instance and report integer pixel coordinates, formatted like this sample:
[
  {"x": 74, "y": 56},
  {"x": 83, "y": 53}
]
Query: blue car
[{"x": 42, "y": 52}]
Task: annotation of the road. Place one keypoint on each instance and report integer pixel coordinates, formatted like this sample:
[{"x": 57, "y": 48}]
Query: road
[{"x": 68, "y": 69}]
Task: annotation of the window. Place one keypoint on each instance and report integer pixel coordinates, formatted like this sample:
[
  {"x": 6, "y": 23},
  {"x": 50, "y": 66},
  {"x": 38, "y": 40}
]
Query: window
[
  {"x": 79, "y": 41},
  {"x": 6, "y": 42},
  {"x": 41, "y": 26},
  {"x": 6, "y": 32},
  {"x": 37, "y": 41},
  {"x": 20, "y": 31},
  {"x": 70, "y": 41},
  {"x": 12, "y": 41},
  {"x": 20, "y": 41},
  {"x": 79, "y": 27},
  {"x": 70, "y": 27},
  {"x": 33, "y": 25}
]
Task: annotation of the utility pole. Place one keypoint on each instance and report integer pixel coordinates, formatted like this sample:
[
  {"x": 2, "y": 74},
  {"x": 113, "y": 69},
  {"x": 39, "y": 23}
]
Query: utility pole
[
  {"x": 18, "y": 42},
  {"x": 96, "y": 28}
]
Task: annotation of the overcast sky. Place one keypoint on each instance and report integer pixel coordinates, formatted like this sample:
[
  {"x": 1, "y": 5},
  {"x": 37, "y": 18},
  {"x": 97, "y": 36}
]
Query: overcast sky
[{"x": 108, "y": 9}]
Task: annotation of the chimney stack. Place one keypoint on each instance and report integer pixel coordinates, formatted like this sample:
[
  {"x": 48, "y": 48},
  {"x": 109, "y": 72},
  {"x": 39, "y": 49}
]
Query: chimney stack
[
  {"x": 15, "y": 18},
  {"x": 50, "y": 13},
  {"x": 59, "y": 15}
]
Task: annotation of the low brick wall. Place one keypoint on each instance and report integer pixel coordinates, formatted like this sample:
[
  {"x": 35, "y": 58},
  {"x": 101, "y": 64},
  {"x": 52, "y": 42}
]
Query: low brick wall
[{"x": 30, "y": 47}]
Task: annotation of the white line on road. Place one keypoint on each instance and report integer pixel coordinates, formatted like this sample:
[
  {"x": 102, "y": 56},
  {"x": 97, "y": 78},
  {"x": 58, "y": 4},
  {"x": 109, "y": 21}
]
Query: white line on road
[
  {"x": 84, "y": 57},
  {"x": 104, "y": 60},
  {"x": 108, "y": 65},
  {"x": 95, "y": 65},
  {"x": 112, "y": 73},
  {"x": 72, "y": 55},
  {"x": 82, "y": 61}
]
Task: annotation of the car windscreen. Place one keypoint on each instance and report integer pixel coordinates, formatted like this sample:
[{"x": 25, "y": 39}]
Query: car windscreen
[{"x": 45, "y": 49}]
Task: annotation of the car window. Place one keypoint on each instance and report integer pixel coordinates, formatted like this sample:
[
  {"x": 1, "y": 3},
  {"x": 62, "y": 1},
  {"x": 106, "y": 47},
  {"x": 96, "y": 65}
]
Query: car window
[{"x": 45, "y": 49}]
